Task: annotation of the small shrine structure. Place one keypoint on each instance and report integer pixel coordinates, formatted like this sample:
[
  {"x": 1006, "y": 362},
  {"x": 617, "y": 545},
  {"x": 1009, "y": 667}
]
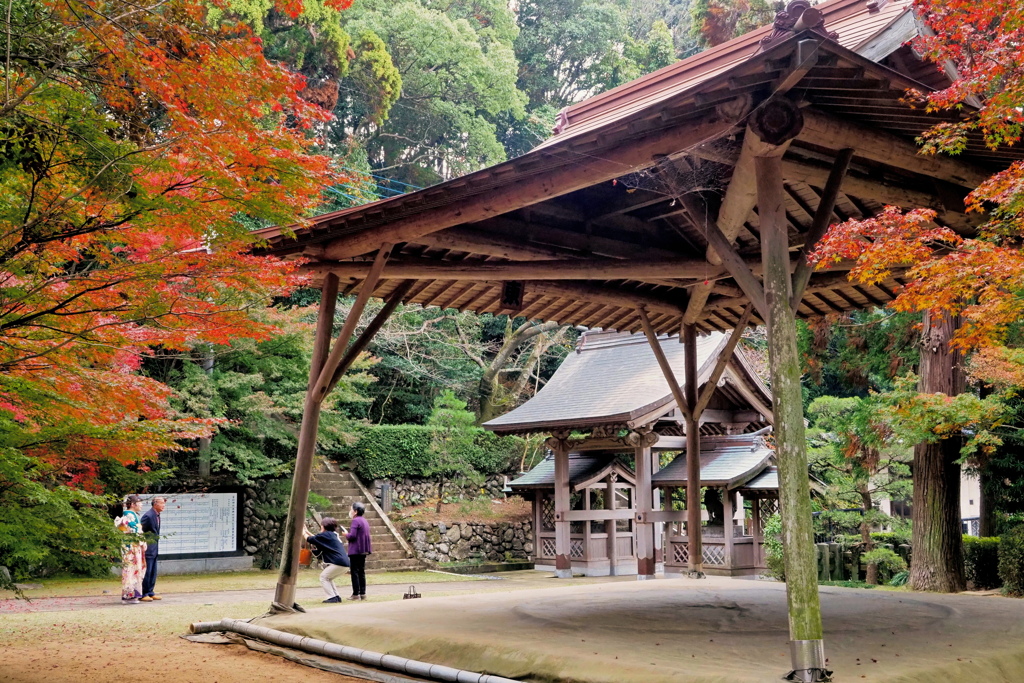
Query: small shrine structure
[{"x": 610, "y": 404}]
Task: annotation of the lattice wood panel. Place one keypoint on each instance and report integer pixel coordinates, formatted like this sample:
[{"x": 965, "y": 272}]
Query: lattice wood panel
[
  {"x": 680, "y": 553},
  {"x": 769, "y": 507},
  {"x": 547, "y": 513},
  {"x": 576, "y": 549},
  {"x": 713, "y": 554},
  {"x": 547, "y": 547}
]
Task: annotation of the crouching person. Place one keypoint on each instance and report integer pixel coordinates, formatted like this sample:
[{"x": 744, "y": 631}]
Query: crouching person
[{"x": 329, "y": 549}]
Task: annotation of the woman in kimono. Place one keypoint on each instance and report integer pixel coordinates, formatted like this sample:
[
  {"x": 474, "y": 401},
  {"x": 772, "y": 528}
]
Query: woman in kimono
[{"x": 133, "y": 555}]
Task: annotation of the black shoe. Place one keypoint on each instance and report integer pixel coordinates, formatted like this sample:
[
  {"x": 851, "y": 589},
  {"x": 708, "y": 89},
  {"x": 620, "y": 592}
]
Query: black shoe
[
  {"x": 335, "y": 599},
  {"x": 353, "y": 597}
]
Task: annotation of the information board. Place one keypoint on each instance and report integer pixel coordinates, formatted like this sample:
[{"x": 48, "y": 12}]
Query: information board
[{"x": 198, "y": 523}]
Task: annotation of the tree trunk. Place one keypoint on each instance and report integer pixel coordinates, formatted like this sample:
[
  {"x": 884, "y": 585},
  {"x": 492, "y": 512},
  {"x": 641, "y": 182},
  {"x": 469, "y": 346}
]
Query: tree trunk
[
  {"x": 865, "y": 532},
  {"x": 205, "y": 456},
  {"x": 440, "y": 495},
  {"x": 938, "y": 546}
]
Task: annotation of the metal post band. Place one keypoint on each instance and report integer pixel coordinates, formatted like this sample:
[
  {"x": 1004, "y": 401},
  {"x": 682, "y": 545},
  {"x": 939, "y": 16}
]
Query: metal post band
[{"x": 808, "y": 659}]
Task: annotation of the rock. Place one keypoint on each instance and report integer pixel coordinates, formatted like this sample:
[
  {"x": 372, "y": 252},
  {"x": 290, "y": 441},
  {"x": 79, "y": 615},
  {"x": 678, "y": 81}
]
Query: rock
[
  {"x": 453, "y": 534},
  {"x": 441, "y": 527},
  {"x": 508, "y": 535},
  {"x": 419, "y": 536},
  {"x": 442, "y": 548},
  {"x": 467, "y": 531},
  {"x": 251, "y": 549},
  {"x": 528, "y": 547}
]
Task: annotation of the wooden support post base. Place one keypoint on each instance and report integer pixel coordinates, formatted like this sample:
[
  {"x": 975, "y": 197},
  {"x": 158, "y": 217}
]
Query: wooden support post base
[{"x": 563, "y": 573}]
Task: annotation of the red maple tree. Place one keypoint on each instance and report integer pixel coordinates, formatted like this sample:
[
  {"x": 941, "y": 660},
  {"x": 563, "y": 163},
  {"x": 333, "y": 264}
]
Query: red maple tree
[{"x": 140, "y": 144}]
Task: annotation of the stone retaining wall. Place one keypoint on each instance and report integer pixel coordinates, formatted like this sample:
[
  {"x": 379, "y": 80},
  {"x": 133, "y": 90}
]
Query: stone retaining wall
[
  {"x": 262, "y": 525},
  {"x": 407, "y": 492},
  {"x": 457, "y": 541}
]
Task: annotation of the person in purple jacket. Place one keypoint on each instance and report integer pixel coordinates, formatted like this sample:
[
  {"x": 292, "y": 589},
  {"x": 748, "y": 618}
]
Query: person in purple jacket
[{"x": 359, "y": 547}]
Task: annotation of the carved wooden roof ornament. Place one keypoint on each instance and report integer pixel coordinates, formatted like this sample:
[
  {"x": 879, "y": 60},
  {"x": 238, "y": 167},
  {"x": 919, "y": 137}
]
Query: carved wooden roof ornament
[{"x": 798, "y": 16}]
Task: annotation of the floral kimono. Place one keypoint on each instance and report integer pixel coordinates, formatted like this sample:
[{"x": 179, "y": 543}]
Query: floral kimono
[{"x": 132, "y": 558}]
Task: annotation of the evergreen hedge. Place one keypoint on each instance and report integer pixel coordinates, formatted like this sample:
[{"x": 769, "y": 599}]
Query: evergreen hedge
[
  {"x": 398, "y": 451},
  {"x": 1011, "y": 561},
  {"x": 981, "y": 562}
]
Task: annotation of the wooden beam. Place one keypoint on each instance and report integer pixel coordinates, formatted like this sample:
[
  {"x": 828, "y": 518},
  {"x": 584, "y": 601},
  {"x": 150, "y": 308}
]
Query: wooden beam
[
  {"x": 333, "y": 361},
  {"x": 571, "y": 269},
  {"x": 694, "y": 536},
  {"x": 737, "y": 267},
  {"x": 367, "y": 335},
  {"x": 475, "y": 241},
  {"x": 574, "y": 171},
  {"x": 666, "y": 368},
  {"x": 723, "y": 361},
  {"x": 822, "y": 219},
  {"x": 784, "y": 366},
  {"x": 284, "y": 593},
  {"x": 740, "y": 199},
  {"x": 830, "y": 132}
]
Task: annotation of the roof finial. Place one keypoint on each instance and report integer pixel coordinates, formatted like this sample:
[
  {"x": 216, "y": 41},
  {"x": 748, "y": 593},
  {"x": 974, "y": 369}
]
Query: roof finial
[{"x": 798, "y": 16}]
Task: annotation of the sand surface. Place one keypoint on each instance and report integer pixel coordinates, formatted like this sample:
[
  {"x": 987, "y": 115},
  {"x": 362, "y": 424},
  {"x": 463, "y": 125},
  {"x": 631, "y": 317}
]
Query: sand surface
[{"x": 685, "y": 631}]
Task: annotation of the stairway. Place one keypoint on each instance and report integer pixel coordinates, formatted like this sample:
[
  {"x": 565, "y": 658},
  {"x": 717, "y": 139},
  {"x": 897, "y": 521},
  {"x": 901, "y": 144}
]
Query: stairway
[{"x": 342, "y": 490}]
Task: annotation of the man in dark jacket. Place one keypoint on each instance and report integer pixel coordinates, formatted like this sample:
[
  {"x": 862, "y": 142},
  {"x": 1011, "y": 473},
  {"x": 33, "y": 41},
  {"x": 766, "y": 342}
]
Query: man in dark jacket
[
  {"x": 328, "y": 547},
  {"x": 151, "y": 525}
]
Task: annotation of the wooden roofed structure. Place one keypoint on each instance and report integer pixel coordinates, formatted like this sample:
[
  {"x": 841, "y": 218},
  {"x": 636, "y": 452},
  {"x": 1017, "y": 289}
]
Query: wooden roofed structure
[
  {"x": 612, "y": 390},
  {"x": 685, "y": 201}
]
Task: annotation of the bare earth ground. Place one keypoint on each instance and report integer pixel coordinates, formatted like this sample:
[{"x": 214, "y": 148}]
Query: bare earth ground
[
  {"x": 716, "y": 630},
  {"x": 75, "y": 632},
  {"x": 511, "y": 509}
]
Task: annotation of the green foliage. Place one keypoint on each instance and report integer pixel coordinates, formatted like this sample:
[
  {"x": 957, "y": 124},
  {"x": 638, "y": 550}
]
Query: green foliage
[
  {"x": 900, "y": 578},
  {"x": 1011, "y": 561},
  {"x": 452, "y": 439},
  {"x": 398, "y": 451},
  {"x": 895, "y": 538},
  {"x": 48, "y": 529},
  {"x": 774, "y": 555},
  {"x": 887, "y": 560},
  {"x": 981, "y": 561},
  {"x": 260, "y": 388}
]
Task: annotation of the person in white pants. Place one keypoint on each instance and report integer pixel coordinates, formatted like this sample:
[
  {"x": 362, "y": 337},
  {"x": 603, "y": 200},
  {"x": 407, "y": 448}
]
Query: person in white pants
[{"x": 327, "y": 546}]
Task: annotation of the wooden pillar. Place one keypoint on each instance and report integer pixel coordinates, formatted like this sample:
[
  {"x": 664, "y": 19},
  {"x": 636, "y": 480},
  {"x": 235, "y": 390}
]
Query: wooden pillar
[
  {"x": 659, "y": 527},
  {"x": 644, "y": 530},
  {"x": 610, "y": 524},
  {"x": 728, "y": 513},
  {"x": 563, "y": 563},
  {"x": 695, "y": 546},
  {"x": 756, "y": 531},
  {"x": 787, "y": 403},
  {"x": 938, "y": 545},
  {"x": 285, "y": 591}
]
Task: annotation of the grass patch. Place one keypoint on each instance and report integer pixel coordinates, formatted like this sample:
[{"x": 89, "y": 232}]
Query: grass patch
[
  {"x": 860, "y": 584},
  {"x": 227, "y": 581}
]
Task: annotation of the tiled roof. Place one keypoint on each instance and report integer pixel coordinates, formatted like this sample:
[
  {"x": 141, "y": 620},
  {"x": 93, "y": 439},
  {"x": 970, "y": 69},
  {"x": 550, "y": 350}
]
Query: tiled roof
[
  {"x": 724, "y": 461},
  {"x": 852, "y": 20},
  {"x": 766, "y": 481},
  {"x": 582, "y": 466},
  {"x": 611, "y": 378}
]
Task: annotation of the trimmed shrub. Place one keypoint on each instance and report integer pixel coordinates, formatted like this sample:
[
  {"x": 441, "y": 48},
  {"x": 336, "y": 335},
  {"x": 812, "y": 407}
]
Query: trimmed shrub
[
  {"x": 981, "y": 562},
  {"x": 896, "y": 538},
  {"x": 398, "y": 451},
  {"x": 1011, "y": 561},
  {"x": 889, "y": 563}
]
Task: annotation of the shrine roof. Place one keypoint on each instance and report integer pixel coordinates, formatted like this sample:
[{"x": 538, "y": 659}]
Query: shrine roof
[
  {"x": 727, "y": 461},
  {"x": 614, "y": 379},
  {"x": 582, "y": 467},
  {"x": 766, "y": 481}
]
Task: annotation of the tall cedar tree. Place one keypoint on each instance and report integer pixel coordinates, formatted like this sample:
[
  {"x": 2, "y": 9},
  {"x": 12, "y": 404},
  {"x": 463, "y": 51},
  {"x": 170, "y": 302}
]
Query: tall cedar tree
[{"x": 970, "y": 287}]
